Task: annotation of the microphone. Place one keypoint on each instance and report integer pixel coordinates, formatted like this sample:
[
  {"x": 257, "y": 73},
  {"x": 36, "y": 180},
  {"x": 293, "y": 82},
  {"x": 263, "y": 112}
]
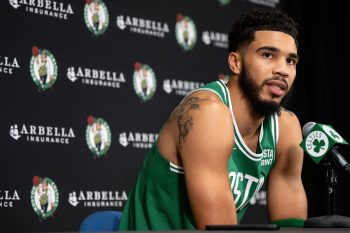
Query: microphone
[{"x": 320, "y": 139}]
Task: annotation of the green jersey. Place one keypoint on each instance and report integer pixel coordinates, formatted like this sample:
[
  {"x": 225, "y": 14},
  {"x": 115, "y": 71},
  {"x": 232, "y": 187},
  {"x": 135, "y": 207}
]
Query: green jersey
[{"x": 159, "y": 199}]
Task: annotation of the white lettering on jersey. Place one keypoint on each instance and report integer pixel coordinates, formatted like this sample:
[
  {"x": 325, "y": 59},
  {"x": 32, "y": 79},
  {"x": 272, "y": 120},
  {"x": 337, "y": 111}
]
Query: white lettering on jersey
[{"x": 238, "y": 178}]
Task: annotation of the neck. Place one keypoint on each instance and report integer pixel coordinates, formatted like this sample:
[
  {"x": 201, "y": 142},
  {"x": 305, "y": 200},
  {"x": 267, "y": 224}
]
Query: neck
[{"x": 247, "y": 121}]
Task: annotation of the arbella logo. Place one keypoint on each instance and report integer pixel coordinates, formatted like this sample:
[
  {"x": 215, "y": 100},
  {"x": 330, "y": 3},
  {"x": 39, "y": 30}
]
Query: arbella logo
[
  {"x": 144, "y": 81},
  {"x": 143, "y": 26},
  {"x": 94, "y": 77},
  {"x": 216, "y": 39},
  {"x": 7, "y": 198},
  {"x": 98, "y": 198},
  {"x": 43, "y": 68},
  {"x": 45, "y": 7},
  {"x": 7, "y": 64},
  {"x": 137, "y": 139},
  {"x": 42, "y": 134},
  {"x": 96, "y": 16},
  {"x": 180, "y": 87},
  {"x": 98, "y": 136},
  {"x": 44, "y": 197},
  {"x": 186, "y": 32}
]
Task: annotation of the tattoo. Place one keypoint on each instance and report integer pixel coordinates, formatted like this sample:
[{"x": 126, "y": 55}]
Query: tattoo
[
  {"x": 290, "y": 112},
  {"x": 183, "y": 120}
]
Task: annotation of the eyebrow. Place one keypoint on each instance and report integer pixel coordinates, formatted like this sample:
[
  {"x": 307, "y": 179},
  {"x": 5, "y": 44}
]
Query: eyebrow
[{"x": 274, "y": 49}]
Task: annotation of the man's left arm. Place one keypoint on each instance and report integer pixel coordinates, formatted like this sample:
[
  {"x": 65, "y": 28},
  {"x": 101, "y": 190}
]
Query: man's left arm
[{"x": 286, "y": 198}]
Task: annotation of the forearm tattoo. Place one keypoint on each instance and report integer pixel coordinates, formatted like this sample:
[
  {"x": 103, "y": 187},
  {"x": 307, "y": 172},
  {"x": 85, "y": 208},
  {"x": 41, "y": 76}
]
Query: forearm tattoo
[{"x": 183, "y": 119}]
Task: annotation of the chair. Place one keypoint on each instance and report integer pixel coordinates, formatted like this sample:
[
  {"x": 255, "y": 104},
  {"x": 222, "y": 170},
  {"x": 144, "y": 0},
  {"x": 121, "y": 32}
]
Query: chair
[{"x": 101, "y": 221}]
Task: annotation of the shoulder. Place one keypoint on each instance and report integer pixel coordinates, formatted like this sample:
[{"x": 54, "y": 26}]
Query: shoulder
[{"x": 289, "y": 128}]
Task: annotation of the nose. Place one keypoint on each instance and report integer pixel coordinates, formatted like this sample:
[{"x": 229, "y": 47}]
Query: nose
[{"x": 281, "y": 68}]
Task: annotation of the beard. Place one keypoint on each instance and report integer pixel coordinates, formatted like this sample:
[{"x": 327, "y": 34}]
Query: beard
[{"x": 251, "y": 89}]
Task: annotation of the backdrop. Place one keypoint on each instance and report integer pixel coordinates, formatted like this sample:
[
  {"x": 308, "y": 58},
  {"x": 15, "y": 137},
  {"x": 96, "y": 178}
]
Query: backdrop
[{"x": 86, "y": 86}]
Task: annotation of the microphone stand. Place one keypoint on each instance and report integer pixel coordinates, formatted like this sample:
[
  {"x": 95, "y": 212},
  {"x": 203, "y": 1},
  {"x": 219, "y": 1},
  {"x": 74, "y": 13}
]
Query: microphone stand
[{"x": 331, "y": 220}]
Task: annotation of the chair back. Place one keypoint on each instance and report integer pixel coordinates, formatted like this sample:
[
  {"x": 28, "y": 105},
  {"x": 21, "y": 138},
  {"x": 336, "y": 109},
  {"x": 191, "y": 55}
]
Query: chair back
[{"x": 101, "y": 221}]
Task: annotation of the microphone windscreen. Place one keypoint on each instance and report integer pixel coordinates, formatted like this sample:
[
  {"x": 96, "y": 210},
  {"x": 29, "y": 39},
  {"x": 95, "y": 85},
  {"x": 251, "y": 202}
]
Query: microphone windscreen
[{"x": 307, "y": 128}]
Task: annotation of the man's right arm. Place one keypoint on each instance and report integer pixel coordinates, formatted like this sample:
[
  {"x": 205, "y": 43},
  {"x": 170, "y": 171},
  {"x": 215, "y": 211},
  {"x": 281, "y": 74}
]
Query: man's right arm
[{"x": 204, "y": 143}]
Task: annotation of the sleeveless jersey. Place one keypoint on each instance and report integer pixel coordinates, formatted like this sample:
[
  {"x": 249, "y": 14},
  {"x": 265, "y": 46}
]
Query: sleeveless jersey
[{"x": 159, "y": 199}]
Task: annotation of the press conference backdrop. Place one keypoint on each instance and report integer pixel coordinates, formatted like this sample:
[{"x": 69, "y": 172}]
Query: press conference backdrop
[{"x": 85, "y": 89}]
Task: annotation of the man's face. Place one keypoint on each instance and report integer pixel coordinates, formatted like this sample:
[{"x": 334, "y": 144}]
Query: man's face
[{"x": 268, "y": 71}]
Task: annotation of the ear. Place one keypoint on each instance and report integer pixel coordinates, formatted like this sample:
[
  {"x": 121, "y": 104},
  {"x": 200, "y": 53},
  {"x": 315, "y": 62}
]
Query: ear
[{"x": 235, "y": 62}]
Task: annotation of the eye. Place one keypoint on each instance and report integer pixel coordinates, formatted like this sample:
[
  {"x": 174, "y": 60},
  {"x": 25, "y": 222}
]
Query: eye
[
  {"x": 267, "y": 55},
  {"x": 291, "y": 61}
]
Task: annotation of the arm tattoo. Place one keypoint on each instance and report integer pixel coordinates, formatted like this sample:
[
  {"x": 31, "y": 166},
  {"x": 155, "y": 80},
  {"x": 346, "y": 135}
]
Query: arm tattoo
[{"x": 183, "y": 120}]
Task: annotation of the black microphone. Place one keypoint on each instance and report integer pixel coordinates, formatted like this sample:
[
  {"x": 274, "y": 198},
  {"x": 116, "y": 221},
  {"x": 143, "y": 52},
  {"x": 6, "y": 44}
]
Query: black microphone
[{"x": 320, "y": 139}]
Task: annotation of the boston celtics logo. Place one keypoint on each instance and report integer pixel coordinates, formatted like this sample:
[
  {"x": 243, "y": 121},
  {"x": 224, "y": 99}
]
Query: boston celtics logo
[
  {"x": 186, "y": 33},
  {"x": 98, "y": 136},
  {"x": 44, "y": 197},
  {"x": 317, "y": 143},
  {"x": 43, "y": 68},
  {"x": 144, "y": 81},
  {"x": 96, "y": 16}
]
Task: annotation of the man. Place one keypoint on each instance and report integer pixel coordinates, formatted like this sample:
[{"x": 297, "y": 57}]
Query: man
[{"x": 222, "y": 142}]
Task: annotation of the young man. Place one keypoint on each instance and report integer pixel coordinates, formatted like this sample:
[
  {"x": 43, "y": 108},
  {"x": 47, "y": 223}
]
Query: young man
[{"x": 224, "y": 140}]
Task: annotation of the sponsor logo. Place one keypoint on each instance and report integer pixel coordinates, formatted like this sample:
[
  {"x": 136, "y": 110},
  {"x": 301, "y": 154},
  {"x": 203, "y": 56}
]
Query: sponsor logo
[
  {"x": 98, "y": 136},
  {"x": 42, "y": 134},
  {"x": 224, "y": 2},
  {"x": 49, "y": 8},
  {"x": 43, "y": 68},
  {"x": 144, "y": 81},
  {"x": 186, "y": 32},
  {"x": 180, "y": 87},
  {"x": 216, "y": 39},
  {"x": 44, "y": 197},
  {"x": 259, "y": 198},
  {"x": 270, "y": 3},
  {"x": 7, "y": 198},
  {"x": 97, "y": 199},
  {"x": 143, "y": 26},
  {"x": 95, "y": 77},
  {"x": 8, "y": 64},
  {"x": 96, "y": 16},
  {"x": 137, "y": 139}
]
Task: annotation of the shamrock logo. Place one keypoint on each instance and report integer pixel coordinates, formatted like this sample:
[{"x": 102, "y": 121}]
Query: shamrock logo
[{"x": 318, "y": 145}]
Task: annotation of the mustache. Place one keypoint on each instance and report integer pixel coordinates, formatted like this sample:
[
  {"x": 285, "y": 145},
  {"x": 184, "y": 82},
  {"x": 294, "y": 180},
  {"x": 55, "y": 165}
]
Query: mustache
[{"x": 278, "y": 78}]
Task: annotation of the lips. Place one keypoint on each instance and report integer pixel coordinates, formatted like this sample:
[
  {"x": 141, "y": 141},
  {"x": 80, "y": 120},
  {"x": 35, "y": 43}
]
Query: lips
[{"x": 277, "y": 87}]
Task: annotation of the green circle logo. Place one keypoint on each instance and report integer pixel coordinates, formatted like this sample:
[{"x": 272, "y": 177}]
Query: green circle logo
[
  {"x": 44, "y": 197},
  {"x": 144, "y": 81},
  {"x": 186, "y": 32},
  {"x": 98, "y": 136},
  {"x": 43, "y": 68},
  {"x": 96, "y": 16}
]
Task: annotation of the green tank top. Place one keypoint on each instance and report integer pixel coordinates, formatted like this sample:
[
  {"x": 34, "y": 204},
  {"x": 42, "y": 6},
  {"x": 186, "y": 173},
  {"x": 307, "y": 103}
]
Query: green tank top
[{"x": 159, "y": 199}]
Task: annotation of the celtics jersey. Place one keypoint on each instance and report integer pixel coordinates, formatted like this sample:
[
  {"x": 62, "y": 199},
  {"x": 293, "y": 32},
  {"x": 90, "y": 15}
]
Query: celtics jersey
[{"x": 159, "y": 199}]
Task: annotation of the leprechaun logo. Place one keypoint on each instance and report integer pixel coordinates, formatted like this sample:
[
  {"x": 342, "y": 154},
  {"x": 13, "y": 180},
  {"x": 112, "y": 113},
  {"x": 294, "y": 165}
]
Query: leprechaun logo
[
  {"x": 44, "y": 197},
  {"x": 96, "y": 16},
  {"x": 98, "y": 136},
  {"x": 43, "y": 68},
  {"x": 144, "y": 81},
  {"x": 186, "y": 32}
]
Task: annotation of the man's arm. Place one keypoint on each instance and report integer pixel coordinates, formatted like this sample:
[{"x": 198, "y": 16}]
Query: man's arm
[
  {"x": 285, "y": 193},
  {"x": 205, "y": 140}
]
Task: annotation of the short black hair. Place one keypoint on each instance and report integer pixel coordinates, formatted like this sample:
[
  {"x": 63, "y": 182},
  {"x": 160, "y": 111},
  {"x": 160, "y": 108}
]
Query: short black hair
[{"x": 243, "y": 30}]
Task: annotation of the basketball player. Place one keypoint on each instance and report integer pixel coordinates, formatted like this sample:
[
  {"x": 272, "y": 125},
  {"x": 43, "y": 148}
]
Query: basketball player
[{"x": 224, "y": 140}]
